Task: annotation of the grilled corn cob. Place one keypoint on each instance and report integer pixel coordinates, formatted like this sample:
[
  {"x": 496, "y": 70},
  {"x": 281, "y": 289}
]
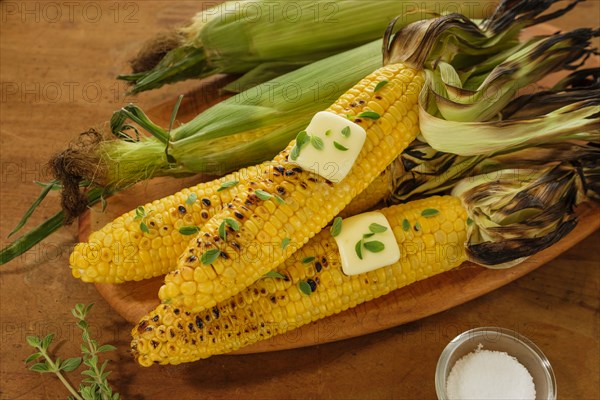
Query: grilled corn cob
[
  {"x": 213, "y": 269},
  {"x": 271, "y": 306},
  {"x": 497, "y": 223},
  {"x": 121, "y": 251}
]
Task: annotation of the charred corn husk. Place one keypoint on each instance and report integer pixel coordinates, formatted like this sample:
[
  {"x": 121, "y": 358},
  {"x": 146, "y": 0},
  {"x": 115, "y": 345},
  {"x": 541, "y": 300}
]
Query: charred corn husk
[
  {"x": 271, "y": 306},
  {"x": 124, "y": 251},
  {"x": 306, "y": 202}
]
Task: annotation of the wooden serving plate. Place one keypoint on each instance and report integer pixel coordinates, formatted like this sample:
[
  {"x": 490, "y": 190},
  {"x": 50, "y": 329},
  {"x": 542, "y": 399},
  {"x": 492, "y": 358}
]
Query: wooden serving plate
[{"x": 133, "y": 300}]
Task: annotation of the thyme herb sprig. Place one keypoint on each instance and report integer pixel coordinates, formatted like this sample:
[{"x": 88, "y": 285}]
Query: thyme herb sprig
[{"x": 95, "y": 386}]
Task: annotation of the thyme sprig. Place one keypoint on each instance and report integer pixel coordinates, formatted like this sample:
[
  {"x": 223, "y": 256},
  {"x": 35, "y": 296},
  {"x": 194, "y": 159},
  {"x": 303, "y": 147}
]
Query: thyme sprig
[{"x": 95, "y": 386}]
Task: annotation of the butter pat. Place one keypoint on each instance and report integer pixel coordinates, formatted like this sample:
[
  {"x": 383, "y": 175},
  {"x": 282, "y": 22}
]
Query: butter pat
[
  {"x": 329, "y": 147},
  {"x": 354, "y": 238}
]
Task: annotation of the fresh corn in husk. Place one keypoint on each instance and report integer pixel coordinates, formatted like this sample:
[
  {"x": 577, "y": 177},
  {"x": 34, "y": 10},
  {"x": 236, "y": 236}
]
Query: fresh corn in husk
[{"x": 264, "y": 39}]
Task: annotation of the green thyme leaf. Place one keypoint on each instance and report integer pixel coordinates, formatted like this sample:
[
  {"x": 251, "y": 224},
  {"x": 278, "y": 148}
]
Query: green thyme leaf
[
  {"x": 279, "y": 199},
  {"x": 223, "y": 231},
  {"x": 210, "y": 256},
  {"x": 189, "y": 230},
  {"x": 70, "y": 364},
  {"x": 429, "y": 212},
  {"x": 377, "y": 228},
  {"x": 295, "y": 152},
  {"x": 305, "y": 287},
  {"x": 139, "y": 213},
  {"x": 191, "y": 199},
  {"x": 374, "y": 246},
  {"x": 369, "y": 114},
  {"x": 358, "y": 249},
  {"x": 47, "y": 341},
  {"x": 405, "y": 225},
  {"x": 368, "y": 235},
  {"x": 105, "y": 348},
  {"x": 346, "y": 131},
  {"x": 144, "y": 227},
  {"x": 33, "y": 341},
  {"x": 339, "y": 146},
  {"x": 469, "y": 221},
  {"x": 380, "y": 85},
  {"x": 317, "y": 142},
  {"x": 226, "y": 185},
  {"x": 232, "y": 223},
  {"x": 33, "y": 357},
  {"x": 308, "y": 260},
  {"x": 336, "y": 227},
  {"x": 261, "y": 194},
  {"x": 274, "y": 275},
  {"x": 285, "y": 242},
  {"x": 417, "y": 226},
  {"x": 302, "y": 139},
  {"x": 328, "y": 132},
  {"x": 40, "y": 367}
]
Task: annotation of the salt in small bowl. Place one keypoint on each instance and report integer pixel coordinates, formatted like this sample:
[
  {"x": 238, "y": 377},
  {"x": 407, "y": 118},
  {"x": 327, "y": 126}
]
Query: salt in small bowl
[{"x": 498, "y": 339}]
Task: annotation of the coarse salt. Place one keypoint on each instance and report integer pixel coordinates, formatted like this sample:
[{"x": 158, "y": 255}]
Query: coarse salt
[{"x": 485, "y": 374}]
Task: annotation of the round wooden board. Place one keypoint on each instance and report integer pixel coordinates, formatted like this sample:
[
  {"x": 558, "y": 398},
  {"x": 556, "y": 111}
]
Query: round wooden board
[{"x": 134, "y": 299}]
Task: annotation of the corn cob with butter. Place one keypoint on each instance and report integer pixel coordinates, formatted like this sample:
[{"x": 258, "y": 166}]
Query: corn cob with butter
[
  {"x": 274, "y": 305},
  {"x": 290, "y": 205},
  {"x": 482, "y": 221},
  {"x": 121, "y": 251}
]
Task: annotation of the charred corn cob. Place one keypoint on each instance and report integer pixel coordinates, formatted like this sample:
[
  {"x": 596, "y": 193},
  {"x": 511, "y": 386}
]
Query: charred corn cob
[
  {"x": 273, "y": 305},
  {"x": 482, "y": 221},
  {"x": 288, "y": 205},
  {"x": 121, "y": 251},
  {"x": 124, "y": 250}
]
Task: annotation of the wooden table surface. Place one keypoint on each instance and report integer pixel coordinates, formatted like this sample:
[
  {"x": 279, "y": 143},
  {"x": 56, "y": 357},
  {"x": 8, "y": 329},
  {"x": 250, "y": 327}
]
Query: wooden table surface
[{"x": 58, "y": 62}]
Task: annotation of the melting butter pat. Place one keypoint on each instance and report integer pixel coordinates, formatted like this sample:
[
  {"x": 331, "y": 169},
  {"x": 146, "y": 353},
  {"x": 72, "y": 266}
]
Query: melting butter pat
[
  {"x": 354, "y": 238},
  {"x": 329, "y": 147}
]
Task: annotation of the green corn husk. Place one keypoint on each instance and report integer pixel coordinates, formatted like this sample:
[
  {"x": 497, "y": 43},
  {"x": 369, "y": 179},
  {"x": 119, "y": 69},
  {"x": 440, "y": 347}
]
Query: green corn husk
[{"x": 265, "y": 39}]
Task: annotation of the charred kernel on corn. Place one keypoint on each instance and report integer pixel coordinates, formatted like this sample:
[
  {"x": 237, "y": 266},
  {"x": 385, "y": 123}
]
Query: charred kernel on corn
[
  {"x": 317, "y": 199},
  {"x": 273, "y": 306}
]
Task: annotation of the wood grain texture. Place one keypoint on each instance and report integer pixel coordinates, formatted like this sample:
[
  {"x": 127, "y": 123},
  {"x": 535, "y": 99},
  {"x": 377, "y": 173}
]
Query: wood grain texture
[{"x": 557, "y": 306}]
